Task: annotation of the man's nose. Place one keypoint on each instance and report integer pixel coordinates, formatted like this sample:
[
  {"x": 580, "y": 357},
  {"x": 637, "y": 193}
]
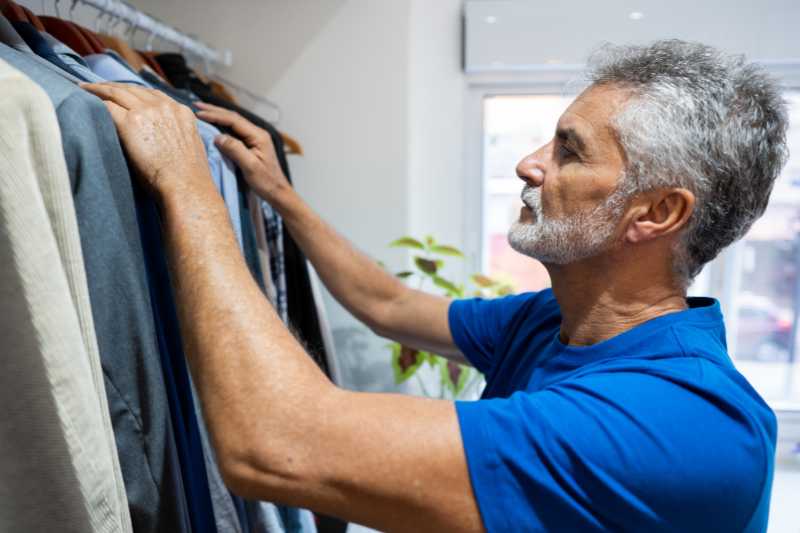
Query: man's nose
[{"x": 531, "y": 170}]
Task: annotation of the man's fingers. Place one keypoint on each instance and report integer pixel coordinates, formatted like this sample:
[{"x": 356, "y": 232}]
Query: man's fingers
[
  {"x": 236, "y": 150},
  {"x": 122, "y": 94},
  {"x": 110, "y": 93},
  {"x": 249, "y": 132},
  {"x": 117, "y": 112},
  {"x": 210, "y": 107}
]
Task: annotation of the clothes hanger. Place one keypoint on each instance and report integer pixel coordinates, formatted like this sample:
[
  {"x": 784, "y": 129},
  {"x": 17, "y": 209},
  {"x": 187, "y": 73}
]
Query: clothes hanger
[
  {"x": 14, "y": 12},
  {"x": 290, "y": 144},
  {"x": 120, "y": 45}
]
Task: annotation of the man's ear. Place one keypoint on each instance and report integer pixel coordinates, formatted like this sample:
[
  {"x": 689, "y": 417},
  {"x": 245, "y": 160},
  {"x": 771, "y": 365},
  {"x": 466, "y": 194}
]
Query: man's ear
[{"x": 659, "y": 213}]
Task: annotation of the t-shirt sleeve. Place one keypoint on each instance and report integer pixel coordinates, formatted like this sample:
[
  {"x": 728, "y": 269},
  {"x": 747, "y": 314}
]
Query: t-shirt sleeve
[
  {"x": 478, "y": 325},
  {"x": 610, "y": 454}
]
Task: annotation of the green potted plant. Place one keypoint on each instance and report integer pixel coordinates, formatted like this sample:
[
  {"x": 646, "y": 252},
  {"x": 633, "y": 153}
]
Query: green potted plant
[{"x": 455, "y": 380}]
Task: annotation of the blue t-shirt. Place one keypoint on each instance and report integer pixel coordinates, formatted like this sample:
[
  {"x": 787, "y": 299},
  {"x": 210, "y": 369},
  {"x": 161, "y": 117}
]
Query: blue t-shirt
[{"x": 651, "y": 430}]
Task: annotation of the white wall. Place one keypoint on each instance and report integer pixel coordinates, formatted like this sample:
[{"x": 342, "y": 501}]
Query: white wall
[
  {"x": 437, "y": 88},
  {"x": 376, "y": 98},
  {"x": 346, "y": 98}
]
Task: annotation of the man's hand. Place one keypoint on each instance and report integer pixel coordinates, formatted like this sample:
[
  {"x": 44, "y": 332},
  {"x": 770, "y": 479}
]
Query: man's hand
[
  {"x": 159, "y": 136},
  {"x": 254, "y": 154}
]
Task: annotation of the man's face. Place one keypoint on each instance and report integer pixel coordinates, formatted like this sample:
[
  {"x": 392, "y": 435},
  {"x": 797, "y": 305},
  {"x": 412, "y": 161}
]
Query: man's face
[{"x": 571, "y": 210}]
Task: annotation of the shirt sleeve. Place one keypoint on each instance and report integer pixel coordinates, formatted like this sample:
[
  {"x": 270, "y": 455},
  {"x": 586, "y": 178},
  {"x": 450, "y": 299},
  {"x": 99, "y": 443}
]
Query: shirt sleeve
[
  {"x": 478, "y": 325},
  {"x": 610, "y": 453}
]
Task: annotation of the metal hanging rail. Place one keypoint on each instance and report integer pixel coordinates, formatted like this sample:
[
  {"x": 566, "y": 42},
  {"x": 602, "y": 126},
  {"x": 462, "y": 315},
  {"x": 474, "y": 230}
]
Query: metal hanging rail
[{"x": 143, "y": 22}]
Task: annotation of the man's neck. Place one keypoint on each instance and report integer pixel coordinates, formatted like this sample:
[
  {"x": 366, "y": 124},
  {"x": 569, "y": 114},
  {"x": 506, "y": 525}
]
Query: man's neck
[{"x": 599, "y": 299}]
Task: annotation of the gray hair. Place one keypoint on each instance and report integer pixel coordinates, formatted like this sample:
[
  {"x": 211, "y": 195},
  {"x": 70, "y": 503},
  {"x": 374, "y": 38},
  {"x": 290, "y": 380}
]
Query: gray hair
[{"x": 702, "y": 120}]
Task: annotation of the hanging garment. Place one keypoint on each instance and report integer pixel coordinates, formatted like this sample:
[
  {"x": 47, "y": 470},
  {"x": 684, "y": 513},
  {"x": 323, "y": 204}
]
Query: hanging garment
[
  {"x": 40, "y": 46},
  {"x": 250, "y": 247},
  {"x": 254, "y": 206},
  {"x": 58, "y": 468},
  {"x": 327, "y": 334},
  {"x": 69, "y": 34},
  {"x": 64, "y": 28},
  {"x": 112, "y": 68},
  {"x": 301, "y": 309},
  {"x": 226, "y": 514},
  {"x": 150, "y": 59},
  {"x": 10, "y": 37},
  {"x": 18, "y": 13},
  {"x": 173, "y": 362},
  {"x": 72, "y": 59},
  {"x": 273, "y": 225},
  {"x": 130, "y": 55},
  {"x": 101, "y": 188},
  {"x": 193, "y": 443}
]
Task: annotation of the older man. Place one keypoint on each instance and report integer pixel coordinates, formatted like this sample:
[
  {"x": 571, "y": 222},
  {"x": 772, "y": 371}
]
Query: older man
[{"x": 611, "y": 403}]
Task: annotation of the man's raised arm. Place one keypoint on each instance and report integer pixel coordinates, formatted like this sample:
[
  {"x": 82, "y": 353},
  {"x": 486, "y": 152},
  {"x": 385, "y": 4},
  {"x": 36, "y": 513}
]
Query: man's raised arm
[
  {"x": 388, "y": 307},
  {"x": 282, "y": 431}
]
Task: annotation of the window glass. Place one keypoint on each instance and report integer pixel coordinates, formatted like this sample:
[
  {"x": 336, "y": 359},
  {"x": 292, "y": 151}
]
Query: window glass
[
  {"x": 514, "y": 126},
  {"x": 758, "y": 284}
]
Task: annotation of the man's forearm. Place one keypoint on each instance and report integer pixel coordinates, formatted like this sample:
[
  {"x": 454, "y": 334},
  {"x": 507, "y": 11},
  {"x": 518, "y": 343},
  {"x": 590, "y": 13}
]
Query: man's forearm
[
  {"x": 354, "y": 279},
  {"x": 243, "y": 358}
]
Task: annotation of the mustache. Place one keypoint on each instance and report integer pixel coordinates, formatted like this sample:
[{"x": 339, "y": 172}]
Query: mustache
[{"x": 531, "y": 196}]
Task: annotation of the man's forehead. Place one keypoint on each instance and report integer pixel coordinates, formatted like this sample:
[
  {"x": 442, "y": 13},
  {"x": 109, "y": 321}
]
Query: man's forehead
[{"x": 589, "y": 115}]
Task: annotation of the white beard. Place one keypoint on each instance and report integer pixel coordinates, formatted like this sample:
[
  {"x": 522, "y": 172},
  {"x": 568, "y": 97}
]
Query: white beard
[{"x": 564, "y": 241}]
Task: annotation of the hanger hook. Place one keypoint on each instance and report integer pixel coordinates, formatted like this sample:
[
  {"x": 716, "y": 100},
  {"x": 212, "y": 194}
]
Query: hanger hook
[
  {"x": 72, "y": 9},
  {"x": 149, "y": 45},
  {"x": 97, "y": 20},
  {"x": 116, "y": 23},
  {"x": 133, "y": 27}
]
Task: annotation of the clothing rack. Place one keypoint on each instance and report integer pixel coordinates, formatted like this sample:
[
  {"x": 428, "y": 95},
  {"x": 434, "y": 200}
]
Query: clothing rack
[{"x": 141, "y": 21}]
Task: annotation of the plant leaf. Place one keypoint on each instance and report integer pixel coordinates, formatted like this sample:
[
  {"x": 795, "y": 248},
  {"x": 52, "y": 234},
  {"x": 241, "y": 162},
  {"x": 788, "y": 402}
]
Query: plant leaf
[
  {"x": 447, "y": 285},
  {"x": 404, "y": 274},
  {"x": 434, "y": 360},
  {"x": 407, "y": 242},
  {"x": 460, "y": 293},
  {"x": 504, "y": 290},
  {"x": 483, "y": 281},
  {"x": 426, "y": 265},
  {"x": 454, "y": 377},
  {"x": 446, "y": 250},
  {"x": 405, "y": 362}
]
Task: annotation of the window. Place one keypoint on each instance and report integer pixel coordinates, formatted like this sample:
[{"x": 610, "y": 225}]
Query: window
[
  {"x": 514, "y": 126},
  {"x": 757, "y": 280}
]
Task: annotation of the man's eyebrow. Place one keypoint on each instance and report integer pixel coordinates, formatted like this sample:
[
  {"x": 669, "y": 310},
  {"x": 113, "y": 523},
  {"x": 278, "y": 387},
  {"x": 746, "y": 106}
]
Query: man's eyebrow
[{"x": 571, "y": 136}]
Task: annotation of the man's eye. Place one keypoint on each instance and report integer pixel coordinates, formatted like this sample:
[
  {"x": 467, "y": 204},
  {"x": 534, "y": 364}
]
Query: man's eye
[{"x": 564, "y": 152}]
